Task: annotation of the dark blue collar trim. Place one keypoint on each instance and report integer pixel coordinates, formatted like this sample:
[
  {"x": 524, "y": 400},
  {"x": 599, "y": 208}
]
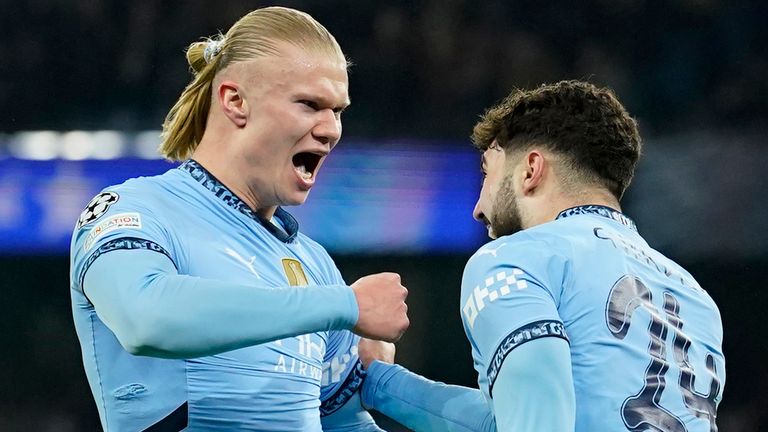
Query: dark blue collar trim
[
  {"x": 210, "y": 182},
  {"x": 599, "y": 210}
]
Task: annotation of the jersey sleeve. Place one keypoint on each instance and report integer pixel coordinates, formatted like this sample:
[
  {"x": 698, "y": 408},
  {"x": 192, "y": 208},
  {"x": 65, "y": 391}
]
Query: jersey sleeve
[
  {"x": 510, "y": 294},
  {"x": 529, "y": 399},
  {"x": 117, "y": 219},
  {"x": 425, "y": 405},
  {"x": 534, "y": 389},
  {"x": 125, "y": 264}
]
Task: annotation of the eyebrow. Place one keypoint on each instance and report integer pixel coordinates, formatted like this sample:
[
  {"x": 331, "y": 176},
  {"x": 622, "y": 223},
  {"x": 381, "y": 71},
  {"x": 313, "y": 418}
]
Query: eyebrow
[
  {"x": 345, "y": 105},
  {"x": 325, "y": 101}
]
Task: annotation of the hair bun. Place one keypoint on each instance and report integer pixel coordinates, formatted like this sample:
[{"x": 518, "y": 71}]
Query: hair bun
[{"x": 212, "y": 48}]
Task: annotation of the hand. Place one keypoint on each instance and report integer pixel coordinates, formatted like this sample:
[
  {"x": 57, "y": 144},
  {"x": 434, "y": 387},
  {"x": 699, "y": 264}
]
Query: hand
[
  {"x": 383, "y": 314},
  {"x": 369, "y": 350}
]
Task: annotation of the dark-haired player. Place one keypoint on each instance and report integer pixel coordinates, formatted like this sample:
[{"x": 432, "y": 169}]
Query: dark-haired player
[{"x": 575, "y": 322}]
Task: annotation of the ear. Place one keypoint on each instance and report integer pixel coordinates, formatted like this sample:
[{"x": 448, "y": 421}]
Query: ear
[
  {"x": 535, "y": 165},
  {"x": 232, "y": 101}
]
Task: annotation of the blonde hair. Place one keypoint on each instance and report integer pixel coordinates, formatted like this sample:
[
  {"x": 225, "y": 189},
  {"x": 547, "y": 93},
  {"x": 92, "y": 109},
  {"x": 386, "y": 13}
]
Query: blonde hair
[{"x": 257, "y": 34}]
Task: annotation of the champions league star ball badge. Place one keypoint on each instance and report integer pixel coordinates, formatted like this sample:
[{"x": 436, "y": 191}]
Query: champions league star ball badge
[{"x": 97, "y": 207}]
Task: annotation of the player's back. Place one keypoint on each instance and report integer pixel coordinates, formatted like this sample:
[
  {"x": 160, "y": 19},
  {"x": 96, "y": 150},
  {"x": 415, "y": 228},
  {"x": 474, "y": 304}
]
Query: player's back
[{"x": 645, "y": 338}]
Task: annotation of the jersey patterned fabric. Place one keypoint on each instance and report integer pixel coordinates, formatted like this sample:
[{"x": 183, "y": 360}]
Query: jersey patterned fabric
[
  {"x": 206, "y": 231},
  {"x": 645, "y": 339}
]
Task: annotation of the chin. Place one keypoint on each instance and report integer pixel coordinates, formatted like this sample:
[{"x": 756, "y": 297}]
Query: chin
[
  {"x": 491, "y": 233},
  {"x": 295, "y": 199}
]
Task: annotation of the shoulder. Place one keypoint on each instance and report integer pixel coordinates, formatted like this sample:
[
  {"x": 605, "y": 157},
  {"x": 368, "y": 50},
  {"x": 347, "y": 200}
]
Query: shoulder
[
  {"x": 525, "y": 248},
  {"x": 129, "y": 215},
  {"x": 140, "y": 189},
  {"x": 138, "y": 205},
  {"x": 541, "y": 255},
  {"x": 136, "y": 194}
]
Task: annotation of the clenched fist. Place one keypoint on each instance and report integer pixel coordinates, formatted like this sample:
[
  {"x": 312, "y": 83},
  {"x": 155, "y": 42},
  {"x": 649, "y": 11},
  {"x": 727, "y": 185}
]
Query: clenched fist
[
  {"x": 369, "y": 350},
  {"x": 381, "y": 303}
]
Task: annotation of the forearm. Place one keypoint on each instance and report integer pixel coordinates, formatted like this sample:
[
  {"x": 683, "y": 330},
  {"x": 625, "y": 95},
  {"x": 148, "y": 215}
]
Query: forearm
[
  {"x": 424, "y": 405},
  {"x": 156, "y": 312}
]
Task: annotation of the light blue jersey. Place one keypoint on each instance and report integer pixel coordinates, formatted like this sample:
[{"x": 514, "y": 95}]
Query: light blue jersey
[
  {"x": 576, "y": 324},
  {"x": 205, "y": 372},
  {"x": 645, "y": 339}
]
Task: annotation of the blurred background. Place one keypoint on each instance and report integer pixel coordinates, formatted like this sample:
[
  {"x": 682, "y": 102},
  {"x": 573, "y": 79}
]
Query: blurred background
[{"x": 84, "y": 86}]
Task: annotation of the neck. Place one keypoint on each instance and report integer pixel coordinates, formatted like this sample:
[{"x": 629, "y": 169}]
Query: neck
[
  {"x": 213, "y": 156},
  {"x": 552, "y": 208}
]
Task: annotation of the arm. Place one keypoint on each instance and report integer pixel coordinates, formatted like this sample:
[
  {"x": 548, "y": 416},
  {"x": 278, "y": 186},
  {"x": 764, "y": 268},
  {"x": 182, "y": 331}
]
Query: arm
[
  {"x": 521, "y": 354},
  {"x": 534, "y": 388},
  {"x": 157, "y": 312},
  {"x": 424, "y": 405},
  {"x": 525, "y": 398},
  {"x": 128, "y": 271},
  {"x": 519, "y": 343}
]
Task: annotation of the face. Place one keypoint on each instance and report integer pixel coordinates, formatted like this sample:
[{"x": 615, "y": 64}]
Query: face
[
  {"x": 294, "y": 103},
  {"x": 498, "y": 207}
]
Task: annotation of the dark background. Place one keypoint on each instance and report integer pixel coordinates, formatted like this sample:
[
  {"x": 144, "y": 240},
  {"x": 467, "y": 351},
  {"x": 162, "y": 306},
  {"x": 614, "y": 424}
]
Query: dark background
[{"x": 693, "y": 72}]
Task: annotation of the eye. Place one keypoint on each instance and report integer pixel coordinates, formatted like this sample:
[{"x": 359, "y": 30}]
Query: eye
[{"x": 311, "y": 104}]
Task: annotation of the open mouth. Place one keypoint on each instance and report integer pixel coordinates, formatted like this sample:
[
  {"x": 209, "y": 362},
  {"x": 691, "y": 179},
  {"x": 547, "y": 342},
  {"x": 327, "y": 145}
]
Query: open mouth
[{"x": 305, "y": 164}]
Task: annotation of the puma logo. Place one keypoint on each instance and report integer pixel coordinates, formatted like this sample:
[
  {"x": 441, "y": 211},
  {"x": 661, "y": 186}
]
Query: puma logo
[
  {"x": 490, "y": 251},
  {"x": 240, "y": 259}
]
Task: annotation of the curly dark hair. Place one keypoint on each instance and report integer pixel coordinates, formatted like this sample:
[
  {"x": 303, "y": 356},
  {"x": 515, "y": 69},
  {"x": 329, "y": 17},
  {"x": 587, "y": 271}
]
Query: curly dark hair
[{"x": 584, "y": 123}]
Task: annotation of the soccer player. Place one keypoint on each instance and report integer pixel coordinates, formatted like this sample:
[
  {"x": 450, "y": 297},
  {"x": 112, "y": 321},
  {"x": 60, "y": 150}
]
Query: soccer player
[
  {"x": 198, "y": 304},
  {"x": 575, "y": 322}
]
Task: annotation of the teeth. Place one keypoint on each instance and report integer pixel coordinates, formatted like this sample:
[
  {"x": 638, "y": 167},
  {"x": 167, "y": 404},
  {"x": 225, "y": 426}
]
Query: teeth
[{"x": 306, "y": 175}]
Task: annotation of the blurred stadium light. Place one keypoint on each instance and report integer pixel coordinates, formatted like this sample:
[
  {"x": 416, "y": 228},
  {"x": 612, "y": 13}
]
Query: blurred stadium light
[
  {"x": 372, "y": 197},
  {"x": 398, "y": 196}
]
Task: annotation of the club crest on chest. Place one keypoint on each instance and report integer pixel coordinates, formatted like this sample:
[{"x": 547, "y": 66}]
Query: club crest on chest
[{"x": 294, "y": 272}]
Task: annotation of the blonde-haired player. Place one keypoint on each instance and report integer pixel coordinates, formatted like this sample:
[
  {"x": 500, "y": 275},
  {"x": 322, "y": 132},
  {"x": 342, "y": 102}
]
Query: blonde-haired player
[{"x": 198, "y": 304}]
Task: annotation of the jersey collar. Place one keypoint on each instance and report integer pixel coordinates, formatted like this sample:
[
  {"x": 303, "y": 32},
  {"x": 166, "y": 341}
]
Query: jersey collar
[
  {"x": 210, "y": 182},
  {"x": 599, "y": 210}
]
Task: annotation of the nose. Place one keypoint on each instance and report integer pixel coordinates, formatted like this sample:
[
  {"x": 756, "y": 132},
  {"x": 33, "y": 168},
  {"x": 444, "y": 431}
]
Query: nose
[
  {"x": 328, "y": 128},
  {"x": 477, "y": 213}
]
